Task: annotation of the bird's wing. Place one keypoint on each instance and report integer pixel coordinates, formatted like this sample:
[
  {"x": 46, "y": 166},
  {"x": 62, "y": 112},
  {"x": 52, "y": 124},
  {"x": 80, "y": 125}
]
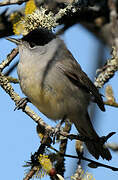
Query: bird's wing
[{"x": 73, "y": 71}]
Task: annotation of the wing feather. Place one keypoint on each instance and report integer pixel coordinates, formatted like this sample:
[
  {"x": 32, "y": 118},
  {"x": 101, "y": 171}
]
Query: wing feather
[{"x": 73, "y": 71}]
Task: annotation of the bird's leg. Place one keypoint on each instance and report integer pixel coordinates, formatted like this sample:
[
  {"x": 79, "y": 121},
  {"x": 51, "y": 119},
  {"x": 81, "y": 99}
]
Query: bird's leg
[
  {"x": 22, "y": 103},
  {"x": 58, "y": 126},
  {"x": 57, "y": 129}
]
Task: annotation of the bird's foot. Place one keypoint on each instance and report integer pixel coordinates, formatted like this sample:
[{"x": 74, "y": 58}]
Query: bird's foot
[
  {"x": 56, "y": 131},
  {"x": 22, "y": 103}
]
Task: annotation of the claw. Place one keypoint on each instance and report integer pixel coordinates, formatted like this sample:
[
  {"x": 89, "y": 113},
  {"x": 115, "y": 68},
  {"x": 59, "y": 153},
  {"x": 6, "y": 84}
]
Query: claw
[{"x": 55, "y": 134}]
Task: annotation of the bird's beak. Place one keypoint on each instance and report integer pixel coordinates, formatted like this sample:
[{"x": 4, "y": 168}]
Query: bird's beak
[{"x": 16, "y": 41}]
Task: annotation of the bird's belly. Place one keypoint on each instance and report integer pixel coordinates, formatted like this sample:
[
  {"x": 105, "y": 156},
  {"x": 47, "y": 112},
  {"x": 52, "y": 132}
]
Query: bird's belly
[
  {"x": 51, "y": 109},
  {"x": 45, "y": 99},
  {"x": 55, "y": 99}
]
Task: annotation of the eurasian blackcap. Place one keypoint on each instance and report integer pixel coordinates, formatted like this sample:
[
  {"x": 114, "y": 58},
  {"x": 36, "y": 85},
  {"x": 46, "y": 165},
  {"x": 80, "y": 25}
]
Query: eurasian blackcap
[{"x": 54, "y": 82}]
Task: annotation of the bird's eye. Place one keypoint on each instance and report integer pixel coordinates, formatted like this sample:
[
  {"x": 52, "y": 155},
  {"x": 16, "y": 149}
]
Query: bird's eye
[{"x": 32, "y": 45}]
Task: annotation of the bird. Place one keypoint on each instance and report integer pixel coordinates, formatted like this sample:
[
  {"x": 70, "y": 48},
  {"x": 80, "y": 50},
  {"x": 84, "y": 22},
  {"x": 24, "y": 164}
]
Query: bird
[{"x": 55, "y": 83}]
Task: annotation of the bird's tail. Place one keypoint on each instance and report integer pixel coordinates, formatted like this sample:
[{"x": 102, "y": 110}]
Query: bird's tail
[
  {"x": 97, "y": 149},
  {"x": 94, "y": 143}
]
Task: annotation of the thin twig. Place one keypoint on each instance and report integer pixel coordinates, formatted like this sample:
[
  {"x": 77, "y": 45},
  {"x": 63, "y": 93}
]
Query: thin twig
[
  {"x": 108, "y": 71},
  {"x": 88, "y": 160},
  {"x": 12, "y": 80},
  {"x": 94, "y": 162},
  {"x": 113, "y": 104},
  {"x": 11, "y": 2},
  {"x": 9, "y": 58},
  {"x": 31, "y": 173},
  {"x": 11, "y": 69},
  {"x": 60, "y": 165},
  {"x": 103, "y": 139},
  {"x": 34, "y": 167},
  {"x": 79, "y": 150}
]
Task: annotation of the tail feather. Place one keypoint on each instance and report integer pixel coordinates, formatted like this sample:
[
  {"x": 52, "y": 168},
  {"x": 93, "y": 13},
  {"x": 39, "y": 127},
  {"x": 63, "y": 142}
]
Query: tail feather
[{"x": 97, "y": 149}]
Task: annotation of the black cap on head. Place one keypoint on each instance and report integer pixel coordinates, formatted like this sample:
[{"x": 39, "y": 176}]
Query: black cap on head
[{"x": 39, "y": 37}]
